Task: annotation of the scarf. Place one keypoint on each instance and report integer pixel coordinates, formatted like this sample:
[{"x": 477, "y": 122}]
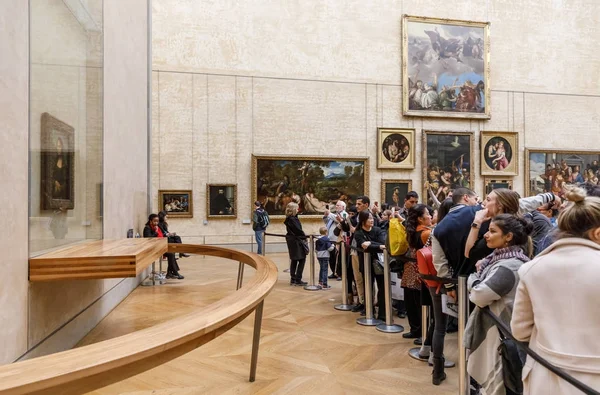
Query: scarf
[{"x": 515, "y": 252}]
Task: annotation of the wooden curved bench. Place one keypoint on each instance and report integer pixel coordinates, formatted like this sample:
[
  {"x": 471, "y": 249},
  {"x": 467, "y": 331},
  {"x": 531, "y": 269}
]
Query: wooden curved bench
[{"x": 97, "y": 365}]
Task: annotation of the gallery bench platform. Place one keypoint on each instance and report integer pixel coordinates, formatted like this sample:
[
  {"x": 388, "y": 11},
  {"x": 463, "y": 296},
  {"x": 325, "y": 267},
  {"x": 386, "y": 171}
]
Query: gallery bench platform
[{"x": 97, "y": 259}]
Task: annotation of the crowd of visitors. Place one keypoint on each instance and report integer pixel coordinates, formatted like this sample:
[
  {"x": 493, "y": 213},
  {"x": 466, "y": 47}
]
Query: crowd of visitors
[{"x": 537, "y": 275}]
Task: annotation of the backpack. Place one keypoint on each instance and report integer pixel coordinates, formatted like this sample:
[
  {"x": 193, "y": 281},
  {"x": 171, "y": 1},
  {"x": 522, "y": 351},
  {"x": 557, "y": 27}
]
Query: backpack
[
  {"x": 397, "y": 242},
  {"x": 262, "y": 219}
]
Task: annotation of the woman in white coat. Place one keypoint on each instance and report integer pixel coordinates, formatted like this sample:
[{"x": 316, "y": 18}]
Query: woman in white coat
[{"x": 556, "y": 307}]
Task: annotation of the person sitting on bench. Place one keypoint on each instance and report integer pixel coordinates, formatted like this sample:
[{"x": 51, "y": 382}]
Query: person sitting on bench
[
  {"x": 153, "y": 230},
  {"x": 172, "y": 236}
]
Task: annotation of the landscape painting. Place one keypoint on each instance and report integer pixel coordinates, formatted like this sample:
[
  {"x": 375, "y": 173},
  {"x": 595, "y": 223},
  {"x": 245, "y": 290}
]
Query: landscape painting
[
  {"x": 548, "y": 170},
  {"x": 313, "y": 183},
  {"x": 445, "y": 68}
]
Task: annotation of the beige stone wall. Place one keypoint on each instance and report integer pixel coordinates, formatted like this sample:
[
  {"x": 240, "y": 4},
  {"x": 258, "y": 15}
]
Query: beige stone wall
[
  {"x": 99, "y": 86},
  {"x": 232, "y": 79},
  {"x": 14, "y": 105}
]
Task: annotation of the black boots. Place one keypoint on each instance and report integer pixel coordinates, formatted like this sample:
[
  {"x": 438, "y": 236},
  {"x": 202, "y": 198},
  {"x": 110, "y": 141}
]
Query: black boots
[{"x": 438, "y": 371}]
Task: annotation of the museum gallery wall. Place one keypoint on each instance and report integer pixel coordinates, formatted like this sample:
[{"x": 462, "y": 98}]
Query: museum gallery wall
[{"x": 432, "y": 100}]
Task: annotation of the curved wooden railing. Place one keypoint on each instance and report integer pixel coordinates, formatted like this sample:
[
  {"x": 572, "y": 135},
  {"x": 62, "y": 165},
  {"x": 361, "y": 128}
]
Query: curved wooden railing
[{"x": 97, "y": 365}]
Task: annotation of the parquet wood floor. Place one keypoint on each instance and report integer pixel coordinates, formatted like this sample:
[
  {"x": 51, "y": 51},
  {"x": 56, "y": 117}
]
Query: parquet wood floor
[{"x": 306, "y": 345}]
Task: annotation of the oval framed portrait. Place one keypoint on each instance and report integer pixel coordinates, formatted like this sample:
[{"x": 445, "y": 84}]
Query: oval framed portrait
[
  {"x": 499, "y": 153},
  {"x": 396, "y": 148}
]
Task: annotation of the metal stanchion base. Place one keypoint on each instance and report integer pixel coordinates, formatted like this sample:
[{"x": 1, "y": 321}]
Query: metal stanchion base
[
  {"x": 394, "y": 328},
  {"x": 312, "y": 287},
  {"x": 368, "y": 321},
  {"x": 343, "y": 307},
  {"x": 414, "y": 353},
  {"x": 159, "y": 279}
]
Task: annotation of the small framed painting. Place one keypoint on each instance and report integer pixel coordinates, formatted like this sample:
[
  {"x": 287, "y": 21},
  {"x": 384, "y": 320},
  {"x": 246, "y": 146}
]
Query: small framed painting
[
  {"x": 395, "y": 148},
  {"x": 221, "y": 200},
  {"x": 178, "y": 204},
  {"x": 489, "y": 184},
  {"x": 394, "y": 191},
  {"x": 499, "y": 154}
]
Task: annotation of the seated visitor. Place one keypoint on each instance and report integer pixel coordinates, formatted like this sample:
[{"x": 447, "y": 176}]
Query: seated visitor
[
  {"x": 172, "y": 236},
  {"x": 153, "y": 230},
  {"x": 556, "y": 308}
]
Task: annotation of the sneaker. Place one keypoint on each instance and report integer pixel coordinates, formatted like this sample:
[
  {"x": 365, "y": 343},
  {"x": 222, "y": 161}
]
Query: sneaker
[
  {"x": 331, "y": 276},
  {"x": 411, "y": 335},
  {"x": 184, "y": 255},
  {"x": 293, "y": 282},
  {"x": 339, "y": 279},
  {"x": 178, "y": 276},
  {"x": 325, "y": 286},
  {"x": 171, "y": 275},
  {"x": 301, "y": 283}
]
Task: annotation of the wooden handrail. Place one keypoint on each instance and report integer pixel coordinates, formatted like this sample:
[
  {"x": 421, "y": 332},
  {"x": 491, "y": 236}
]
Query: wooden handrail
[{"x": 94, "y": 366}]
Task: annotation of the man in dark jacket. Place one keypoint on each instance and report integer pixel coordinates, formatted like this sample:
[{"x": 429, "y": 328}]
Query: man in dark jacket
[{"x": 260, "y": 221}]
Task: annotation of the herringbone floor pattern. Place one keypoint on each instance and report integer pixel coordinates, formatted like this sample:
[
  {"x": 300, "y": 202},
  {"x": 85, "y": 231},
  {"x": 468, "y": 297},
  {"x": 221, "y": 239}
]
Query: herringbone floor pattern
[{"x": 306, "y": 345}]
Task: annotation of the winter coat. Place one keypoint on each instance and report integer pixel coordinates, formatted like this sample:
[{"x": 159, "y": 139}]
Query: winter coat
[
  {"x": 556, "y": 310},
  {"x": 294, "y": 244}
]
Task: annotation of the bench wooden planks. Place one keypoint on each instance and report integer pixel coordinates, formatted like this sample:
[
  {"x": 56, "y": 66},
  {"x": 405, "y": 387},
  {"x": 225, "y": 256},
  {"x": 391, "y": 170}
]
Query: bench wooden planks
[{"x": 97, "y": 259}]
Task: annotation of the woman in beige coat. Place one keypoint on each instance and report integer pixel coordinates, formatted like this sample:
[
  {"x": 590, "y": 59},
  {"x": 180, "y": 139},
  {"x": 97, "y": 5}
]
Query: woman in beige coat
[{"x": 556, "y": 306}]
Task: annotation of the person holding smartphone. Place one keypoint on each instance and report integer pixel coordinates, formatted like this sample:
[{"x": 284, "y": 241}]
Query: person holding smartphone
[{"x": 331, "y": 221}]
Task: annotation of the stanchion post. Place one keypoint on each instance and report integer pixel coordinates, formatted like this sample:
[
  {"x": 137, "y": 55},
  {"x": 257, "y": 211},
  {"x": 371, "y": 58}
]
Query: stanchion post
[
  {"x": 415, "y": 351},
  {"x": 463, "y": 312},
  {"x": 344, "y": 306},
  {"x": 368, "y": 319},
  {"x": 388, "y": 326},
  {"x": 264, "y": 243},
  {"x": 311, "y": 285},
  {"x": 240, "y": 277}
]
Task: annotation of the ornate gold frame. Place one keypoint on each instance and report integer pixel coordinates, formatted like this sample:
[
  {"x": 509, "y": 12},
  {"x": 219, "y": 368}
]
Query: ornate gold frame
[
  {"x": 513, "y": 167},
  {"x": 486, "y": 59},
  {"x": 529, "y": 151},
  {"x": 491, "y": 180},
  {"x": 425, "y": 164},
  {"x": 256, "y": 158},
  {"x": 188, "y": 214},
  {"x": 235, "y": 198},
  {"x": 383, "y": 162},
  {"x": 391, "y": 181}
]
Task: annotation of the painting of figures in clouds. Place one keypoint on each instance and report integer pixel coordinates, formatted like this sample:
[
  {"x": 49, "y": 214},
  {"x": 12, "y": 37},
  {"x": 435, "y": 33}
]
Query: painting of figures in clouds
[{"x": 445, "y": 68}]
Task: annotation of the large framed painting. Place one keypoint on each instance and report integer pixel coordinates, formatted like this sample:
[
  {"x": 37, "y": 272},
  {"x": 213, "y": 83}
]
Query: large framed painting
[
  {"x": 445, "y": 68},
  {"x": 395, "y": 148},
  {"x": 177, "y": 203},
  {"x": 221, "y": 201},
  {"x": 312, "y": 182},
  {"x": 57, "y": 164},
  {"x": 490, "y": 183},
  {"x": 447, "y": 163},
  {"x": 499, "y": 154},
  {"x": 393, "y": 192},
  {"x": 548, "y": 170}
]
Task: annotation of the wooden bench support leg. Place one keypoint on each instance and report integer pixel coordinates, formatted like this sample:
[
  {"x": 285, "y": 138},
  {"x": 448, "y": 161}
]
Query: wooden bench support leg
[
  {"x": 256, "y": 340},
  {"x": 240, "y": 278}
]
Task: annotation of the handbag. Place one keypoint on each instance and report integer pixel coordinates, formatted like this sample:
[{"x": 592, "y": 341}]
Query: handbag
[
  {"x": 512, "y": 364},
  {"x": 378, "y": 264},
  {"x": 305, "y": 246}
]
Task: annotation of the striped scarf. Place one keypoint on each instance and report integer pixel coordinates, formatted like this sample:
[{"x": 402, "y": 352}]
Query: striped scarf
[{"x": 503, "y": 253}]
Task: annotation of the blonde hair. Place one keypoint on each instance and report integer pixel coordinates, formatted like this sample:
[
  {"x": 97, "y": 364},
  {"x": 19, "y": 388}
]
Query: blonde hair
[
  {"x": 323, "y": 230},
  {"x": 291, "y": 209},
  {"x": 581, "y": 215}
]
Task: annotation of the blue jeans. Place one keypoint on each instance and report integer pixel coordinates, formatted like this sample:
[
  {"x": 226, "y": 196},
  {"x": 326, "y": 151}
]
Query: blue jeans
[
  {"x": 324, "y": 263},
  {"x": 259, "y": 238}
]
